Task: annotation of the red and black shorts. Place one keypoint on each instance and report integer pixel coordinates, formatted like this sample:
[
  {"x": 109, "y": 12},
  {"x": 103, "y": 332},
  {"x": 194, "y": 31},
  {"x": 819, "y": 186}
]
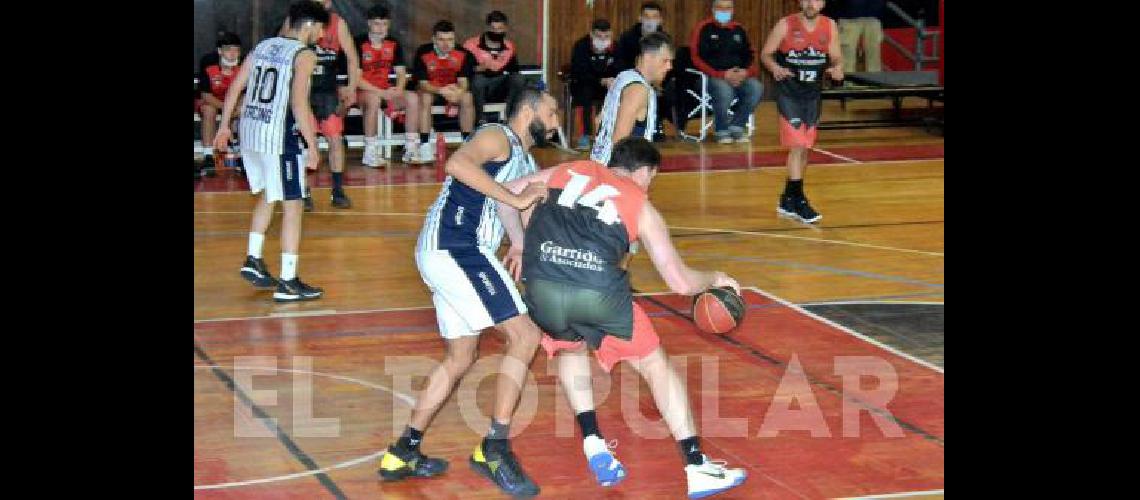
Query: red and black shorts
[{"x": 799, "y": 118}]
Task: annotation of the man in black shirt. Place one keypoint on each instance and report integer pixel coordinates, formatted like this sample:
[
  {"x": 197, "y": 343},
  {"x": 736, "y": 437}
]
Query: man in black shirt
[
  {"x": 592, "y": 72},
  {"x": 625, "y": 57}
]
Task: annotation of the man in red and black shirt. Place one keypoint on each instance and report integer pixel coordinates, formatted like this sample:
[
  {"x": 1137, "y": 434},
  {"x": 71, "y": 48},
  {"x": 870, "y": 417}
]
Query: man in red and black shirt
[
  {"x": 441, "y": 69},
  {"x": 380, "y": 56},
  {"x": 800, "y": 51},
  {"x": 215, "y": 74},
  {"x": 720, "y": 49},
  {"x": 496, "y": 64}
]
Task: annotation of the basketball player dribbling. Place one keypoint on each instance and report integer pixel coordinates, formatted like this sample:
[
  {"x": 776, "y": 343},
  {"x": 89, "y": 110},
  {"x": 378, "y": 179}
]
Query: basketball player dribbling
[{"x": 579, "y": 293}]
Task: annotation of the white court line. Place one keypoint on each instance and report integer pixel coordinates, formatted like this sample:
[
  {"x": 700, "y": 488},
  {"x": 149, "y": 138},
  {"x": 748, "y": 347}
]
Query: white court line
[
  {"x": 410, "y": 401},
  {"x": 334, "y": 312},
  {"x": 833, "y": 155},
  {"x": 876, "y": 302},
  {"x": 897, "y": 495},
  {"x": 686, "y": 172},
  {"x": 340, "y": 212},
  {"x": 821, "y": 240},
  {"x": 842, "y": 328}
]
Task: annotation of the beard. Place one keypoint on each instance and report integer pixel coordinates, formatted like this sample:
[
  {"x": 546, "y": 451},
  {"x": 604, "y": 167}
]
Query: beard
[{"x": 538, "y": 133}]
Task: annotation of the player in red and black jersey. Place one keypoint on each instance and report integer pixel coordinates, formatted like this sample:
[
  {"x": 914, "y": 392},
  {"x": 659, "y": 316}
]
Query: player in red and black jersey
[
  {"x": 380, "y": 56},
  {"x": 215, "y": 74},
  {"x": 442, "y": 69},
  {"x": 800, "y": 51}
]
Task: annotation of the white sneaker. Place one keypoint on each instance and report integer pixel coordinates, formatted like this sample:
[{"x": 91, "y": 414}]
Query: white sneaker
[
  {"x": 371, "y": 155},
  {"x": 605, "y": 466},
  {"x": 712, "y": 477},
  {"x": 427, "y": 153}
]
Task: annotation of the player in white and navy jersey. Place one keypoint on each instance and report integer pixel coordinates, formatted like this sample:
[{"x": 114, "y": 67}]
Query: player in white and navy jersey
[
  {"x": 473, "y": 291},
  {"x": 277, "y": 74},
  {"x": 631, "y": 109}
]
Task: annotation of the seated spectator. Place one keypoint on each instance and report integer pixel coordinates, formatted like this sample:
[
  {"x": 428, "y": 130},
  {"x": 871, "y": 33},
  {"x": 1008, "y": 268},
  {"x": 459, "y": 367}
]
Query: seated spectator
[
  {"x": 860, "y": 19},
  {"x": 380, "y": 55},
  {"x": 629, "y": 47},
  {"x": 592, "y": 72},
  {"x": 441, "y": 69},
  {"x": 215, "y": 74},
  {"x": 720, "y": 49},
  {"x": 496, "y": 64}
]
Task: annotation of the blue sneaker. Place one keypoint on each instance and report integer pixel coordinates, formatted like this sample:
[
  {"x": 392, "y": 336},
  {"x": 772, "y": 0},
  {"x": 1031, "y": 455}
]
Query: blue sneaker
[{"x": 606, "y": 467}]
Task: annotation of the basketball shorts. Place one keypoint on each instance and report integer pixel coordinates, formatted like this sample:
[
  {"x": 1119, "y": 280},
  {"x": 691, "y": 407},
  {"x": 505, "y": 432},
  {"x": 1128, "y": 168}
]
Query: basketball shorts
[
  {"x": 799, "y": 119},
  {"x": 280, "y": 175},
  {"x": 610, "y": 323},
  {"x": 470, "y": 289},
  {"x": 328, "y": 123}
]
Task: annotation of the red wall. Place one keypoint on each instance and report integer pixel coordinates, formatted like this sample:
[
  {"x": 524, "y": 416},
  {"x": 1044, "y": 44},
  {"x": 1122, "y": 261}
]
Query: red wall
[{"x": 894, "y": 60}]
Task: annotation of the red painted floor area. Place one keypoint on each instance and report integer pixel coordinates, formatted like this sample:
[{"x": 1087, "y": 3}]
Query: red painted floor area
[
  {"x": 751, "y": 366},
  {"x": 400, "y": 174}
]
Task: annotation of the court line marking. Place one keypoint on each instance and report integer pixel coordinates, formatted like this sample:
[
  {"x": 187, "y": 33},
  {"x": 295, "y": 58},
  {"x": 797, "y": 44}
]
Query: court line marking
[
  {"x": 690, "y": 172},
  {"x": 821, "y": 240},
  {"x": 849, "y": 331},
  {"x": 876, "y": 302},
  {"x": 897, "y": 495},
  {"x": 833, "y": 155},
  {"x": 410, "y": 401}
]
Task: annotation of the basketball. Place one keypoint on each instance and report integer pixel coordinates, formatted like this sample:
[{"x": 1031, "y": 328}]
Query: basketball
[{"x": 718, "y": 310}]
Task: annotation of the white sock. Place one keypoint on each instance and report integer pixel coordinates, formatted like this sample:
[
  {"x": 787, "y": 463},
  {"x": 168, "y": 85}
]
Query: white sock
[
  {"x": 288, "y": 266},
  {"x": 255, "y": 241},
  {"x": 371, "y": 141}
]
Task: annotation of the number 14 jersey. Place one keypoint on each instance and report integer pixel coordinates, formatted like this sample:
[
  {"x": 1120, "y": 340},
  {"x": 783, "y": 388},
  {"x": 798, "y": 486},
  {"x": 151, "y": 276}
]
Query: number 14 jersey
[{"x": 583, "y": 229}]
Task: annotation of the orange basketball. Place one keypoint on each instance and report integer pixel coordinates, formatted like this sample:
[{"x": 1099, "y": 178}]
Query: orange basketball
[{"x": 718, "y": 310}]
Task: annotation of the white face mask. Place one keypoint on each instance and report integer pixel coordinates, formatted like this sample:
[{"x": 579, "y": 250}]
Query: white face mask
[
  {"x": 377, "y": 39},
  {"x": 600, "y": 45},
  {"x": 650, "y": 26},
  {"x": 229, "y": 63}
]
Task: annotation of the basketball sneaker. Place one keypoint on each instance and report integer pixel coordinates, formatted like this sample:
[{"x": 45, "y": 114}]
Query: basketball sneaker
[
  {"x": 427, "y": 153},
  {"x": 371, "y": 156},
  {"x": 605, "y": 466},
  {"x": 340, "y": 200},
  {"x": 797, "y": 207},
  {"x": 208, "y": 166},
  {"x": 724, "y": 137},
  {"x": 294, "y": 290},
  {"x": 255, "y": 271},
  {"x": 395, "y": 466},
  {"x": 504, "y": 470},
  {"x": 308, "y": 200},
  {"x": 711, "y": 477}
]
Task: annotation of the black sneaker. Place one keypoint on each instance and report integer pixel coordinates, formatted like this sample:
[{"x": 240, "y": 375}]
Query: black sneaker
[
  {"x": 255, "y": 272},
  {"x": 208, "y": 166},
  {"x": 504, "y": 470},
  {"x": 797, "y": 207},
  {"x": 395, "y": 466},
  {"x": 340, "y": 200},
  {"x": 197, "y": 172},
  {"x": 308, "y": 200},
  {"x": 294, "y": 290}
]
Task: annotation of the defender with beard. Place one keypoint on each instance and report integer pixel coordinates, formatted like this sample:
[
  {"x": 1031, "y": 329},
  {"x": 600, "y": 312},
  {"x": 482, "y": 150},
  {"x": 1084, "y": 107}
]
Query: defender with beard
[{"x": 471, "y": 289}]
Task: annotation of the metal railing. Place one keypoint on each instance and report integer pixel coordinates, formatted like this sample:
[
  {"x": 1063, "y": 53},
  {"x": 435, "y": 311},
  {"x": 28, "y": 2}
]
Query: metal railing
[{"x": 921, "y": 35}]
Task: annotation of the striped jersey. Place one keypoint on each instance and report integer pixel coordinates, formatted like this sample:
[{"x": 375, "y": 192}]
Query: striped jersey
[
  {"x": 266, "y": 117},
  {"x": 603, "y": 144},
  {"x": 465, "y": 218}
]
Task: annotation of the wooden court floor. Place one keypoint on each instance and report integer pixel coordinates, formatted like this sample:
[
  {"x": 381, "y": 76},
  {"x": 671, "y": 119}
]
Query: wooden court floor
[{"x": 347, "y": 358}]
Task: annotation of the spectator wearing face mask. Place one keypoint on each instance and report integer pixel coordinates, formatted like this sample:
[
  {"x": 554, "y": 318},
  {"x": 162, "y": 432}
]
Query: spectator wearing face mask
[
  {"x": 592, "y": 72},
  {"x": 496, "y": 73},
  {"x": 215, "y": 74},
  {"x": 628, "y": 48},
  {"x": 721, "y": 50}
]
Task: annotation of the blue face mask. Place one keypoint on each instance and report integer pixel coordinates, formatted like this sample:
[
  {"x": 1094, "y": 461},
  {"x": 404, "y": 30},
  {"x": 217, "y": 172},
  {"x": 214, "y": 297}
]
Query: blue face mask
[{"x": 722, "y": 17}]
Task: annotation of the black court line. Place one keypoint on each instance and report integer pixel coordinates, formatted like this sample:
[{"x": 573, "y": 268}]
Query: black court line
[
  {"x": 297, "y": 452},
  {"x": 715, "y": 232},
  {"x": 830, "y": 388}
]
